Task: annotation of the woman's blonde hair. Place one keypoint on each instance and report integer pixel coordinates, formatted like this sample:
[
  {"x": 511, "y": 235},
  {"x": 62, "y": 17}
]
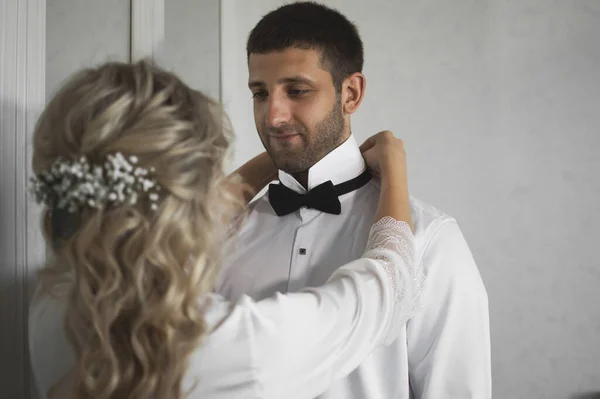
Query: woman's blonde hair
[{"x": 136, "y": 274}]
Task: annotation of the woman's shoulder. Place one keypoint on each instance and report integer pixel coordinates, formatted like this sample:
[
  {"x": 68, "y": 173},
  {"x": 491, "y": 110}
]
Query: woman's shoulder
[{"x": 51, "y": 354}]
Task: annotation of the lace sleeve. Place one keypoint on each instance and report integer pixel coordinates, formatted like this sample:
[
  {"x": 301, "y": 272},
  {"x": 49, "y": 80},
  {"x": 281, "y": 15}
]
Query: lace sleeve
[{"x": 391, "y": 242}]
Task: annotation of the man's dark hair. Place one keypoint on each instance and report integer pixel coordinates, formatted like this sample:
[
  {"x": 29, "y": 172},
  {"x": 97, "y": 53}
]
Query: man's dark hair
[{"x": 310, "y": 25}]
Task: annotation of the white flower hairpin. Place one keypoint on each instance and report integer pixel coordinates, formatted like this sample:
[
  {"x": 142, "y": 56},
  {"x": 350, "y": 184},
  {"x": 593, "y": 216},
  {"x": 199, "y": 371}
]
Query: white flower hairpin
[{"x": 73, "y": 185}]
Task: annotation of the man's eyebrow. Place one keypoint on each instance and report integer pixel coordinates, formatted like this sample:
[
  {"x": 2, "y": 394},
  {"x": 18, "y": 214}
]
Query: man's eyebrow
[
  {"x": 291, "y": 79},
  {"x": 255, "y": 84},
  {"x": 296, "y": 79}
]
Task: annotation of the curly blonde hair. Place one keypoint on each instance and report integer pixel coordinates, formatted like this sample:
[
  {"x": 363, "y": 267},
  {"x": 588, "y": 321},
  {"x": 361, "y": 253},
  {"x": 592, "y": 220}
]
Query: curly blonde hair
[{"x": 136, "y": 274}]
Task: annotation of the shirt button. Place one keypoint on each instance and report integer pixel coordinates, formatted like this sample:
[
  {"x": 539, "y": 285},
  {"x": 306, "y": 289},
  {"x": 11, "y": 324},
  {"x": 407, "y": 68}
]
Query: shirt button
[{"x": 302, "y": 251}]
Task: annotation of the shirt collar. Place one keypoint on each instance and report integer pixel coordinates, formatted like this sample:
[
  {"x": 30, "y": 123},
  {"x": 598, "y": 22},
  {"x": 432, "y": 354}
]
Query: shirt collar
[{"x": 340, "y": 165}]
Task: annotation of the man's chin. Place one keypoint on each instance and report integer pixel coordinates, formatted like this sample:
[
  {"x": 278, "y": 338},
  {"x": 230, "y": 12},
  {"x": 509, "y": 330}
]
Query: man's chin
[
  {"x": 287, "y": 144},
  {"x": 289, "y": 166},
  {"x": 285, "y": 155}
]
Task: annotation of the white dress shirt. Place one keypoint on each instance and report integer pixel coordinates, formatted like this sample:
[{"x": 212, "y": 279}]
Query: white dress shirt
[
  {"x": 287, "y": 346},
  {"x": 442, "y": 353}
]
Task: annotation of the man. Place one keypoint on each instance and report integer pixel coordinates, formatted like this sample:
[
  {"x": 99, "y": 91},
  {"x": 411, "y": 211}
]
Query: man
[{"x": 305, "y": 62}]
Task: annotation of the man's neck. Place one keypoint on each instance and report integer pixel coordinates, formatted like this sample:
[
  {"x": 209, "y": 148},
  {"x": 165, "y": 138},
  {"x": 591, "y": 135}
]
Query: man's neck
[
  {"x": 302, "y": 178},
  {"x": 340, "y": 165}
]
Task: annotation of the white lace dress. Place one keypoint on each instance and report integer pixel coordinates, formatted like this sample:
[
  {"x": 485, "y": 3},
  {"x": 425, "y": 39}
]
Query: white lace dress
[{"x": 289, "y": 346}]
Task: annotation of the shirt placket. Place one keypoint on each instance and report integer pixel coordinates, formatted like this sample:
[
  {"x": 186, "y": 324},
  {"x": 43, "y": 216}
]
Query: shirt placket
[{"x": 302, "y": 250}]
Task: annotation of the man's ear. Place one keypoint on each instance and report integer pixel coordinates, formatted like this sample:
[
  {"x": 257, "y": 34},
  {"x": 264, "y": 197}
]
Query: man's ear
[{"x": 353, "y": 91}]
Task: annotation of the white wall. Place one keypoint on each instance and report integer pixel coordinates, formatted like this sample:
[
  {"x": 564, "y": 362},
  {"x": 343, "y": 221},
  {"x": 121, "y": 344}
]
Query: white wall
[
  {"x": 498, "y": 104},
  {"x": 82, "y": 33},
  {"x": 191, "y": 47}
]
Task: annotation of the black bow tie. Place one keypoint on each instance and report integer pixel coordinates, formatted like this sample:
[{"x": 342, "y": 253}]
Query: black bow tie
[{"x": 323, "y": 197}]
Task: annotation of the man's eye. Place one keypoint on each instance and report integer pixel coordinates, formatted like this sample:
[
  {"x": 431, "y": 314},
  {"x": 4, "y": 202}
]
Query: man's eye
[
  {"x": 259, "y": 95},
  {"x": 297, "y": 92}
]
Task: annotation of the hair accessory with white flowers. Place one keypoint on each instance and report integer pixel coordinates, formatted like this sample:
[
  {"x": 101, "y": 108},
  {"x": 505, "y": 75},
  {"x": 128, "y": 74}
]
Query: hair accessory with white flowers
[{"x": 73, "y": 185}]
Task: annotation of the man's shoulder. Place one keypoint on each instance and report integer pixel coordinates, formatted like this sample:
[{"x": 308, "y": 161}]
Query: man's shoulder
[
  {"x": 260, "y": 205},
  {"x": 443, "y": 248},
  {"x": 427, "y": 218}
]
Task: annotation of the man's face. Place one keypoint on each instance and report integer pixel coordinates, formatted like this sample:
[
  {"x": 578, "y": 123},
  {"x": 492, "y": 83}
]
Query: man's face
[{"x": 297, "y": 113}]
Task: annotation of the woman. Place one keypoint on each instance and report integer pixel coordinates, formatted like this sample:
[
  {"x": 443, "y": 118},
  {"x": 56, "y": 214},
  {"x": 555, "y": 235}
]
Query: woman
[{"x": 129, "y": 164}]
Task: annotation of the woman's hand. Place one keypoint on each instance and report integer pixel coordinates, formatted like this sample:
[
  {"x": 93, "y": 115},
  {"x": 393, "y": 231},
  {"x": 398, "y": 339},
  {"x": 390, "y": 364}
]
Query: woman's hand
[
  {"x": 255, "y": 174},
  {"x": 384, "y": 154}
]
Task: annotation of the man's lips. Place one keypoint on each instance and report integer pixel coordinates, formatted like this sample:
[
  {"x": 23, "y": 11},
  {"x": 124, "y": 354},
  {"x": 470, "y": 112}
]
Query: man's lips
[{"x": 285, "y": 136}]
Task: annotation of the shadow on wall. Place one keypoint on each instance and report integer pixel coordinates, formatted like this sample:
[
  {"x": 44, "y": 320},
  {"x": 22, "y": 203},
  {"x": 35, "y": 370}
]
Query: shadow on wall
[
  {"x": 586, "y": 395},
  {"x": 14, "y": 293}
]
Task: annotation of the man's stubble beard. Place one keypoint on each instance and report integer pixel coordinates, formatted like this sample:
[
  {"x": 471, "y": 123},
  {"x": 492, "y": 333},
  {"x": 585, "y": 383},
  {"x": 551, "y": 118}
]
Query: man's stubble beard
[{"x": 328, "y": 135}]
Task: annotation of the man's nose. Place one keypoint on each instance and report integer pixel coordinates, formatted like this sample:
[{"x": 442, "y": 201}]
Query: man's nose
[{"x": 278, "y": 112}]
